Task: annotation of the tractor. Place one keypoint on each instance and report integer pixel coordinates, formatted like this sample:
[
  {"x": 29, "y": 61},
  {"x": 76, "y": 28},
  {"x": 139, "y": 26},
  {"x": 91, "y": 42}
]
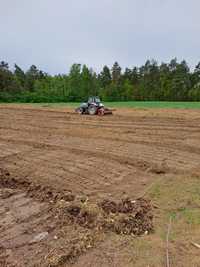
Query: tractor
[{"x": 93, "y": 107}]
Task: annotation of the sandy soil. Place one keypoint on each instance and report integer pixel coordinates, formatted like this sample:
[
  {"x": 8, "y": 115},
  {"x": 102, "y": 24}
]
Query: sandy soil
[{"x": 98, "y": 157}]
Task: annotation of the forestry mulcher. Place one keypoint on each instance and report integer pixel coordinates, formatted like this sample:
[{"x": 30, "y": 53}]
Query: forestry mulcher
[{"x": 93, "y": 107}]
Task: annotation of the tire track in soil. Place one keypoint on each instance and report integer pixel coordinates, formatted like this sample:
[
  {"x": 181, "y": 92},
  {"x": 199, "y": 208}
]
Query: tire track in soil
[
  {"x": 84, "y": 155},
  {"x": 130, "y": 152}
]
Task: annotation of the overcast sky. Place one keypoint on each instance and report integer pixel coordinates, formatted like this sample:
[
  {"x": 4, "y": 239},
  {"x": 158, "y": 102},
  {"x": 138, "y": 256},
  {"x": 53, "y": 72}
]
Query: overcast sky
[{"x": 53, "y": 34}]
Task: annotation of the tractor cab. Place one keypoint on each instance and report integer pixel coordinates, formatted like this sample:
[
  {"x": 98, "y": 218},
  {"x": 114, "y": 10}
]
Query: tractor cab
[{"x": 94, "y": 99}]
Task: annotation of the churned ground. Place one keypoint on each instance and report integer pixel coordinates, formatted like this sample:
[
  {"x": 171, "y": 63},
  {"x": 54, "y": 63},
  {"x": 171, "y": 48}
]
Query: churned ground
[{"x": 56, "y": 155}]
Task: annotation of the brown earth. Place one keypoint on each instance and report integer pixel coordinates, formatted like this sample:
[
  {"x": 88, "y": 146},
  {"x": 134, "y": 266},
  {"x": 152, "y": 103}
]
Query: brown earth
[{"x": 53, "y": 156}]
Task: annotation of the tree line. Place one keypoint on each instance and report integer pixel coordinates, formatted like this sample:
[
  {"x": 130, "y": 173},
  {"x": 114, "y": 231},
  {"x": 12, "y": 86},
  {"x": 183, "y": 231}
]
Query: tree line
[{"x": 173, "y": 81}]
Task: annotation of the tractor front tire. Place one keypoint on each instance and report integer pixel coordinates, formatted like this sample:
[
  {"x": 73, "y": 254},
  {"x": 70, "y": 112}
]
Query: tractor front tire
[{"x": 80, "y": 110}]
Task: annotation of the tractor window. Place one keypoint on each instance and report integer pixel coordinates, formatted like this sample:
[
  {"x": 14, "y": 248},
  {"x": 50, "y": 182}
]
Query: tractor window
[
  {"x": 94, "y": 99},
  {"x": 90, "y": 100},
  {"x": 97, "y": 100}
]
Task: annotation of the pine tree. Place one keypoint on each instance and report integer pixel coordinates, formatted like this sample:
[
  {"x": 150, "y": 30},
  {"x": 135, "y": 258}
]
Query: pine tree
[
  {"x": 105, "y": 77},
  {"x": 20, "y": 76},
  {"x": 116, "y": 73}
]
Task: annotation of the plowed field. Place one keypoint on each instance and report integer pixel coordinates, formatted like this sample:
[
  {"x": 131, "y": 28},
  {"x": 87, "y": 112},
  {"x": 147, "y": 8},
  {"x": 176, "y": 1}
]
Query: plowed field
[{"x": 108, "y": 157}]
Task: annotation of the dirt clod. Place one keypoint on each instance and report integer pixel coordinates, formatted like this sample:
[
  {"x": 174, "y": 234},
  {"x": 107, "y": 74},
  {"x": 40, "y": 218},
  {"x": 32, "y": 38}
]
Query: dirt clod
[
  {"x": 108, "y": 206},
  {"x": 39, "y": 237}
]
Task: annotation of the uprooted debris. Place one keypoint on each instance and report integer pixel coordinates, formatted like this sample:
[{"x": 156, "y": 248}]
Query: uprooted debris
[
  {"x": 84, "y": 214},
  {"x": 73, "y": 249},
  {"x": 123, "y": 217},
  {"x": 129, "y": 216},
  {"x": 126, "y": 205},
  {"x": 68, "y": 211}
]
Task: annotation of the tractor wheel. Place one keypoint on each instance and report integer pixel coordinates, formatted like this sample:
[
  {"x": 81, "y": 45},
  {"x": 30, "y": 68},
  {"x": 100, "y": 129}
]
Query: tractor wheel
[
  {"x": 92, "y": 110},
  {"x": 80, "y": 110},
  {"x": 101, "y": 111}
]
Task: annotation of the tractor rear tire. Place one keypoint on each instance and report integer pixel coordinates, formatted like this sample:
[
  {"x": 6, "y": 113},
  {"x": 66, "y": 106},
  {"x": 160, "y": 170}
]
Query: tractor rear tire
[
  {"x": 101, "y": 111},
  {"x": 92, "y": 110}
]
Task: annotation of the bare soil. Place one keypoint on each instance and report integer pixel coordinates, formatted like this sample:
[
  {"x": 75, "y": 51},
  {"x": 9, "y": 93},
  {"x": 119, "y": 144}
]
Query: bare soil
[{"x": 84, "y": 181}]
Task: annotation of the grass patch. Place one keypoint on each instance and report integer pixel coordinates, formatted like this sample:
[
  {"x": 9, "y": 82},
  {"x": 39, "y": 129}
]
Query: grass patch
[
  {"x": 177, "y": 197},
  {"x": 128, "y": 104},
  {"x": 155, "y": 104}
]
